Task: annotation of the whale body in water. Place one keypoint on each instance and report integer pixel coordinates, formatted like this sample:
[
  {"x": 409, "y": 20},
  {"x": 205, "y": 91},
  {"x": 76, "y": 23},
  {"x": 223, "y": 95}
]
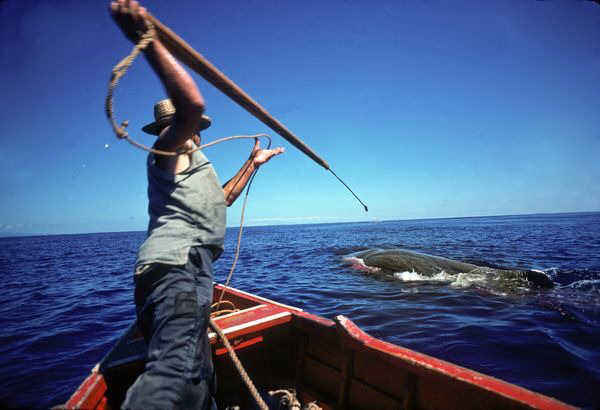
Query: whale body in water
[{"x": 397, "y": 261}]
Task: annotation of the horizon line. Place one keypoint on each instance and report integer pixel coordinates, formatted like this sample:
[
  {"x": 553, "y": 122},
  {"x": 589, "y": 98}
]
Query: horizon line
[{"x": 374, "y": 220}]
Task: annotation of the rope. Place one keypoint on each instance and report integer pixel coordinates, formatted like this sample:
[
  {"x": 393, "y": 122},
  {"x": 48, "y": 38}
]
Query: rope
[
  {"x": 240, "y": 368},
  {"x": 223, "y": 312},
  {"x": 192, "y": 150},
  {"x": 259, "y": 401},
  {"x": 239, "y": 239},
  {"x": 227, "y": 302},
  {"x": 290, "y": 401},
  {"x": 215, "y": 313},
  {"x": 119, "y": 71}
]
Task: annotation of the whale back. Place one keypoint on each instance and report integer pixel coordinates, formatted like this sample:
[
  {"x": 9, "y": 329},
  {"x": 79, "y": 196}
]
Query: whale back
[{"x": 399, "y": 260}]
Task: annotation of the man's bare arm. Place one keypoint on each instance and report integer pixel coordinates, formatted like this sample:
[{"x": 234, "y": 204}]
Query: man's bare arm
[
  {"x": 179, "y": 85},
  {"x": 234, "y": 187}
]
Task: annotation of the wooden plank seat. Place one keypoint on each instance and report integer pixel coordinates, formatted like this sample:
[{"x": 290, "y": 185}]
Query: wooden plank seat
[{"x": 243, "y": 328}]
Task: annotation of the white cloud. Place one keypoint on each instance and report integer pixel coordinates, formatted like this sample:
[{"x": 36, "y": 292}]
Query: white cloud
[{"x": 293, "y": 219}]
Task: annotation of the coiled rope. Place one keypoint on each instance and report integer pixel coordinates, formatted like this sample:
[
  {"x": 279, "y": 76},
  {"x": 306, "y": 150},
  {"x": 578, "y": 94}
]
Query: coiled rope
[
  {"x": 119, "y": 71},
  {"x": 289, "y": 400}
]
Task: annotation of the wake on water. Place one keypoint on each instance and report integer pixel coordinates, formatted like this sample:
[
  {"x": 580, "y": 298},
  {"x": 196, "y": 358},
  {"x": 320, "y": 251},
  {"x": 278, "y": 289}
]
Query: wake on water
[{"x": 581, "y": 294}]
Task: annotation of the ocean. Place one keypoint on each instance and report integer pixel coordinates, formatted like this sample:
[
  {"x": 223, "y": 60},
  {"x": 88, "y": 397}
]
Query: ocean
[{"x": 67, "y": 298}]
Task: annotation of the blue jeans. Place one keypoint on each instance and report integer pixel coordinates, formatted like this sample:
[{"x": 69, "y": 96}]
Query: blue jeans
[{"x": 173, "y": 308}]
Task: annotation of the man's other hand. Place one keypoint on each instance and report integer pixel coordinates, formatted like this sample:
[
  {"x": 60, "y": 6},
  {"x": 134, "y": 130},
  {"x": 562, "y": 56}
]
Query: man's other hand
[{"x": 260, "y": 156}]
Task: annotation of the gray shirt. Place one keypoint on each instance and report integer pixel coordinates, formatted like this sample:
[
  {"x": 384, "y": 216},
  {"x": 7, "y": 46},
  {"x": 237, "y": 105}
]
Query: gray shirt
[{"x": 186, "y": 209}]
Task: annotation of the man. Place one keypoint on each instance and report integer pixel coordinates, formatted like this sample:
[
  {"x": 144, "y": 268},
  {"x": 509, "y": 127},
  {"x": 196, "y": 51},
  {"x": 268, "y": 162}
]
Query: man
[{"x": 173, "y": 275}]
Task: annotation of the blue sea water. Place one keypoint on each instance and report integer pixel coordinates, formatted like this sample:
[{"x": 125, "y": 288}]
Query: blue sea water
[{"x": 67, "y": 298}]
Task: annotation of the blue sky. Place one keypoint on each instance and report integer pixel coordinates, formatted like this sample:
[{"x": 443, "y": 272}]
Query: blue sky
[{"x": 426, "y": 109}]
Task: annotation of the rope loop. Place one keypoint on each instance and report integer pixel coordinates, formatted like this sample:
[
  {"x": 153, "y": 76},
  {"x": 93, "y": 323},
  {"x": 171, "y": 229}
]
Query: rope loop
[{"x": 119, "y": 71}]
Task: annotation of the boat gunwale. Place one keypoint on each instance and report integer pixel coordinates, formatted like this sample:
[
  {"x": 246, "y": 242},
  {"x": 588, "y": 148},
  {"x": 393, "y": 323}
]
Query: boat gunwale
[{"x": 340, "y": 331}]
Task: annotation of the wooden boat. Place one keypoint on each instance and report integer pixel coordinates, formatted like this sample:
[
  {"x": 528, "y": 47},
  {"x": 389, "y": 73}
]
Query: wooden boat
[{"x": 331, "y": 362}]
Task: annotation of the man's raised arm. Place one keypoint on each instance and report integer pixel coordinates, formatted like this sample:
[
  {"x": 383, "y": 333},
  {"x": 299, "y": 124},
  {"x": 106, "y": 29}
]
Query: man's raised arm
[
  {"x": 179, "y": 85},
  {"x": 234, "y": 187}
]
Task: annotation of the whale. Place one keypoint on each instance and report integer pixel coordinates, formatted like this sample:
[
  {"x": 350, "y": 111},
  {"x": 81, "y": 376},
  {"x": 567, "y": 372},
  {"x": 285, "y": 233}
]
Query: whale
[{"x": 395, "y": 261}]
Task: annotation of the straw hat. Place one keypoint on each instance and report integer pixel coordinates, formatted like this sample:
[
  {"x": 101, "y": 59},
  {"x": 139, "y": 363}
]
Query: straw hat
[{"x": 163, "y": 114}]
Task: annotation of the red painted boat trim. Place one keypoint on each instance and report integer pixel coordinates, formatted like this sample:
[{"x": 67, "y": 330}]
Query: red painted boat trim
[
  {"x": 456, "y": 372},
  {"x": 239, "y": 345},
  {"x": 304, "y": 316},
  {"x": 89, "y": 394}
]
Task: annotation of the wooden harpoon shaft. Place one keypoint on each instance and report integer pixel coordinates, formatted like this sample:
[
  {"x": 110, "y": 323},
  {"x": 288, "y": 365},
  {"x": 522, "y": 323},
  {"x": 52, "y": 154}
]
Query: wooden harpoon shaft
[{"x": 190, "y": 57}]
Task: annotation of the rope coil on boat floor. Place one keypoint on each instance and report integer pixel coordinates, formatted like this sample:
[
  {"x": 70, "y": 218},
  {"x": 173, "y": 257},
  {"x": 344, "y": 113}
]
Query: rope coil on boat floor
[{"x": 289, "y": 400}]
